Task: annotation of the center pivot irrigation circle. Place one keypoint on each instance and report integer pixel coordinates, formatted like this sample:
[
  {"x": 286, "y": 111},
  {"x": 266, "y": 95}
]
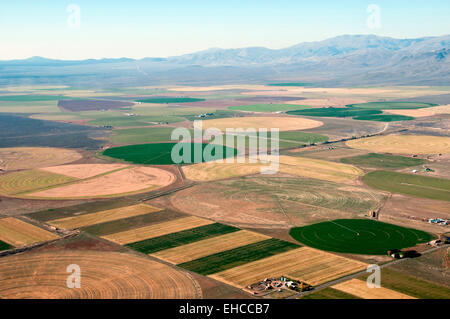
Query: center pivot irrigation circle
[{"x": 358, "y": 236}]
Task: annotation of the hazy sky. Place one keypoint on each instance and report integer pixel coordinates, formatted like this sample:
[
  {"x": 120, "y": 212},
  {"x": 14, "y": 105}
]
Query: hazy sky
[{"x": 134, "y": 28}]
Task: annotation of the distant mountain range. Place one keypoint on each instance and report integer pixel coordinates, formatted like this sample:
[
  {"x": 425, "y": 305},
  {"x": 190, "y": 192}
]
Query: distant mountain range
[{"x": 340, "y": 61}]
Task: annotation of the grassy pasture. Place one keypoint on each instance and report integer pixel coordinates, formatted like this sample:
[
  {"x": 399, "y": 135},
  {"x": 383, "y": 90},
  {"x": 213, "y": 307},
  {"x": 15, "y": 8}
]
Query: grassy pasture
[
  {"x": 142, "y": 135},
  {"x": 409, "y": 184},
  {"x": 329, "y": 293},
  {"x": 167, "y": 100},
  {"x": 382, "y": 161},
  {"x": 238, "y": 256},
  {"x": 358, "y": 236},
  {"x": 30, "y": 98},
  {"x": 160, "y": 153},
  {"x": 180, "y": 238}
]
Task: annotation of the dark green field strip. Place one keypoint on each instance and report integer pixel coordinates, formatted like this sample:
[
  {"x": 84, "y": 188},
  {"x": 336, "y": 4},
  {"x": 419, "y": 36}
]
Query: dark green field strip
[
  {"x": 128, "y": 223},
  {"x": 167, "y": 100},
  {"x": 335, "y": 112},
  {"x": 411, "y": 285},
  {"x": 161, "y": 153},
  {"x": 31, "y": 98},
  {"x": 4, "y": 246},
  {"x": 238, "y": 256},
  {"x": 329, "y": 293},
  {"x": 391, "y": 105},
  {"x": 409, "y": 184},
  {"x": 383, "y": 161},
  {"x": 184, "y": 237},
  {"x": 358, "y": 236},
  {"x": 384, "y": 118}
]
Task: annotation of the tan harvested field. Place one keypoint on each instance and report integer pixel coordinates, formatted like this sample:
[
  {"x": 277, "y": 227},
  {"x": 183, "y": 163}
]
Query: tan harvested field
[
  {"x": 19, "y": 233},
  {"x": 359, "y": 289},
  {"x": 220, "y": 88},
  {"x": 210, "y": 246},
  {"x": 211, "y": 171},
  {"x": 83, "y": 171},
  {"x": 155, "y": 230},
  {"x": 431, "y": 111},
  {"x": 403, "y": 144},
  {"x": 282, "y": 123},
  {"x": 300, "y": 166},
  {"x": 104, "y": 275},
  {"x": 331, "y": 101},
  {"x": 125, "y": 181},
  {"x": 103, "y": 216},
  {"x": 15, "y": 158},
  {"x": 306, "y": 264}
]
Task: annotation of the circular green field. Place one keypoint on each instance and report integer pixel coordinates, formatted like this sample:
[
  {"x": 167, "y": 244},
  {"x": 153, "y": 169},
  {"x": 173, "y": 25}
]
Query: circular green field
[
  {"x": 358, "y": 236},
  {"x": 161, "y": 153}
]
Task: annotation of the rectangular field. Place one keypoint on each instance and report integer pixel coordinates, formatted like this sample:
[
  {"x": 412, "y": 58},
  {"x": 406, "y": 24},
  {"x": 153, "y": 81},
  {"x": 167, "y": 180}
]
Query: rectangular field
[
  {"x": 181, "y": 238},
  {"x": 18, "y": 233},
  {"x": 156, "y": 230},
  {"x": 305, "y": 264},
  {"x": 104, "y": 216},
  {"x": 209, "y": 246},
  {"x": 238, "y": 256},
  {"x": 359, "y": 289}
]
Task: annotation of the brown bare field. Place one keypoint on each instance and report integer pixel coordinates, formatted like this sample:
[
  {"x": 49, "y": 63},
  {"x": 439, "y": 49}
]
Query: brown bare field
[
  {"x": 210, "y": 246},
  {"x": 403, "y": 144},
  {"x": 103, "y": 216},
  {"x": 104, "y": 275},
  {"x": 126, "y": 181},
  {"x": 155, "y": 230},
  {"x": 83, "y": 171},
  {"x": 359, "y": 289},
  {"x": 18, "y": 233},
  {"x": 305, "y": 264},
  {"x": 211, "y": 171},
  {"x": 283, "y": 123},
  {"x": 431, "y": 111},
  {"x": 15, "y": 158}
]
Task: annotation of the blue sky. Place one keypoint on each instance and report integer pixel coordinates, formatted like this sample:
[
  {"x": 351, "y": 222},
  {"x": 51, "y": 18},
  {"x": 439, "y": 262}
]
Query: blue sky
[{"x": 137, "y": 29}]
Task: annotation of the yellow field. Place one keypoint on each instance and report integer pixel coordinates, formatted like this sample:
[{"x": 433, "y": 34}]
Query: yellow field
[
  {"x": 15, "y": 158},
  {"x": 300, "y": 166},
  {"x": 104, "y": 275},
  {"x": 103, "y": 216},
  {"x": 359, "y": 289},
  {"x": 18, "y": 233},
  {"x": 83, "y": 171},
  {"x": 403, "y": 144},
  {"x": 282, "y": 123},
  {"x": 209, "y": 246},
  {"x": 155, "y": 230},
  {"x": 305, "y": 264},
  {"x": 430, "y": 111}
]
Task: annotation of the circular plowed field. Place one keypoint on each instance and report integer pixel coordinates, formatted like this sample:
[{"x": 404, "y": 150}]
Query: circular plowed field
[
  {"x": 14, "y": 158},
  {"x": 358, "y": 236},
  {"x": 282, "y": 123},
  {"x": 403, "y": 144},
  {"x": 104, "y": 275}
]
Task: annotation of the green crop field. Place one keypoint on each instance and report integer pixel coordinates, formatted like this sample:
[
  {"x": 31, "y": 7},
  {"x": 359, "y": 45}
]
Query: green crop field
[
  {"x": 391, "y": 105},
  {"x": 409, "y": 184},
  {"x": 334, "y": 112},
  {"x": 4, "y": 246},
  {"x": 142, "y": 135},
  {"x": 382, "y": 161},
  {"x": 30, "y": 98},
  {"x": 329, "y": 293},
  {"x": 238, "y": 256},
  {"x": 184, "y": 237},
  {"x": 358, "y": 236},
  {"x": 383, "y": 118},
  {"x": 268, "y": 107},
  {"x": 412, "y": 286},
  {"x": 167, "y": 100},
  {"x": 160, "y": 153}
]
